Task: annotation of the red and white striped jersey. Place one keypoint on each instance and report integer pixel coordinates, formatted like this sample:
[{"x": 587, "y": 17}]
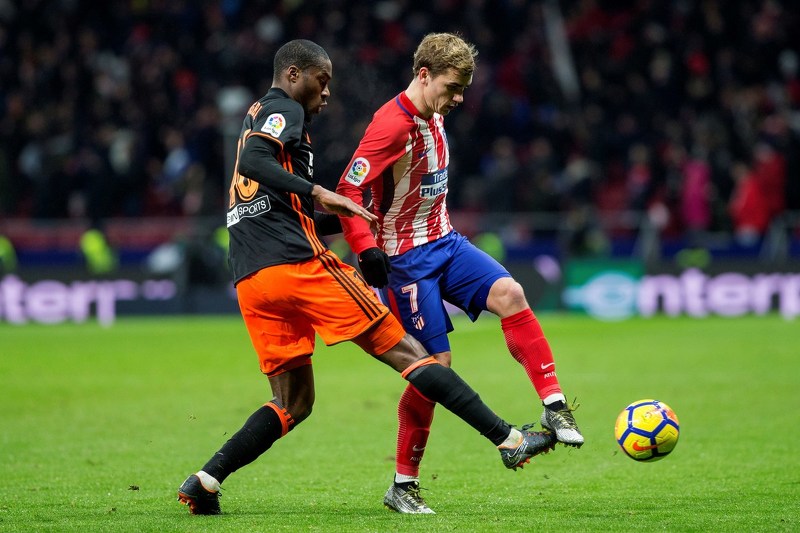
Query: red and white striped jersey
[{"x": 402, "y": 160}]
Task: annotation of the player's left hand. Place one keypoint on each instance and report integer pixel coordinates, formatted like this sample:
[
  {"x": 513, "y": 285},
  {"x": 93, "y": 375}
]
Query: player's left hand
[{"x": 375, "y": 266}]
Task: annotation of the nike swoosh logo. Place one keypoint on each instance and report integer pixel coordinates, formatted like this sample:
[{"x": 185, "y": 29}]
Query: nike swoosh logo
[
  {"x": 636, "y": 446},
  {"x": 414, "y": 447},
  {"x": 546, "y": 366}
]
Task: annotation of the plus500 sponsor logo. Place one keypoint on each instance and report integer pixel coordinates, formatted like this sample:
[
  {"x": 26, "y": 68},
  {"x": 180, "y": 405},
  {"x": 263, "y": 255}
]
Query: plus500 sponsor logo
[
  {"x": 434, "y": 184},
  {"x": 616, "y": 296}
]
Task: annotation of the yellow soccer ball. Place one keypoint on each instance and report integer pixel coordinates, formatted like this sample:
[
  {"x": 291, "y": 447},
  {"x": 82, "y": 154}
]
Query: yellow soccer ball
[{"x": 647, "y": 430}]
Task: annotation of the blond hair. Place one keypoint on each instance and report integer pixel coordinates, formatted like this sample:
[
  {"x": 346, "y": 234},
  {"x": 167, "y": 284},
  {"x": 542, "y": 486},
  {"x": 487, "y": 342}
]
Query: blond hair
[{"x": 440, "y": 52}]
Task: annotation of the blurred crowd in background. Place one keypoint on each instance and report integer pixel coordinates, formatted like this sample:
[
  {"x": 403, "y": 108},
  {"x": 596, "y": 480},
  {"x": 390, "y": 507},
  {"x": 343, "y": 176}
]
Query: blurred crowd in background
[{"x": 687, "y": 110}]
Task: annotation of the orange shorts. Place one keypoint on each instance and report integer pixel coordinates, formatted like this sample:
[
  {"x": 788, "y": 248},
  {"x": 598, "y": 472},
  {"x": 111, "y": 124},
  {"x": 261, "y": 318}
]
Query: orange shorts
[{"x": 283, "y": 306}]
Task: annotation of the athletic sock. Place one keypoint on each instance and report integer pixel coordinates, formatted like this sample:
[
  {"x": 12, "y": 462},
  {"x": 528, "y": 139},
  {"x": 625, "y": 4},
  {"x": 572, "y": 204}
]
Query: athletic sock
[
  {"x": 269, "y": 423},
  {"x": 209, "y": 482},
  {"x": 414, "y": 415},
  {"x": 556, "y": 404},
  {"x": 403, "y": 480},
  {"x": 442, "y": 385},
  {"x": 528, "y": 345},
  {"x": 513, "y": 439}
]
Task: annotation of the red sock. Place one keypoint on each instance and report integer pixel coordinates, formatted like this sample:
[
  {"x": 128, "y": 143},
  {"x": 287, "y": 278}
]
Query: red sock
[
  {"x": 528, "y": 345},
  {"x": 415, "y": 414}
]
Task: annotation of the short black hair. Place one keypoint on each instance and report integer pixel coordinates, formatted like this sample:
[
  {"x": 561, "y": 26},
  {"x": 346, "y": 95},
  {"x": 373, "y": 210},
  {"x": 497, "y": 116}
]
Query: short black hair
[{"x": 301, "y": 53}]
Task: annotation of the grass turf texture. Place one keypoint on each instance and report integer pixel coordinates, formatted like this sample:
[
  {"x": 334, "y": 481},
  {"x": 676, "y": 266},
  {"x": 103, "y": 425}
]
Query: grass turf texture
[{"x": 101, "y": 425}]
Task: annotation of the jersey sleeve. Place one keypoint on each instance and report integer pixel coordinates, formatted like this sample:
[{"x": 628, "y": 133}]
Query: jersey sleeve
[
  {"x": 280, "y": 122},
  {"x": 381, "y": 146},
  {"x": 275, "y": 128}
]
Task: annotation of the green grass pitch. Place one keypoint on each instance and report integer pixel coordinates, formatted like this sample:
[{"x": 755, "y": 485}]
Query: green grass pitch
[{"x": 101, "y": 425}]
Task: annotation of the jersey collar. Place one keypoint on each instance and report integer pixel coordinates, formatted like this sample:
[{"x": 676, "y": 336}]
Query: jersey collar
[{"x": 408, "y": 106}]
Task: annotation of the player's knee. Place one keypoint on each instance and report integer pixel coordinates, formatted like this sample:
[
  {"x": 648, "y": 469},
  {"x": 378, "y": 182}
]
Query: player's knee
[
  {"x": 302, "y": 415},
  {"x": 300, "y": 410},
  {"x": 403, "y": 354},
  {"x": 444, "y": 358},
  {"x": 506, "y": 297}
]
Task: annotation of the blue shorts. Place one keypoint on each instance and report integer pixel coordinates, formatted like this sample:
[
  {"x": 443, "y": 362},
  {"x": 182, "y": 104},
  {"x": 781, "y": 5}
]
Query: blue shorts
[{"x": 449, "y": 269}]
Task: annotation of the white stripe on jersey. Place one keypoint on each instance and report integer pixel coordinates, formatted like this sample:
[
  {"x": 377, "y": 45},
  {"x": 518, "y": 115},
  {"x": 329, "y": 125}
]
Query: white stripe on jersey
[
  {"x": 415, "y": 217},
  {"x": 388, "y": 238}
]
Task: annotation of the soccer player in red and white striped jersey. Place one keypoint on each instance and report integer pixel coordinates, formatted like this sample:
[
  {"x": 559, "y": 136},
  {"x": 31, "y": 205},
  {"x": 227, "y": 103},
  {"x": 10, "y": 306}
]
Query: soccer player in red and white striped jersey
[
  {"x": 402, "y": 163},
  {"x": 403, "y": 159}
]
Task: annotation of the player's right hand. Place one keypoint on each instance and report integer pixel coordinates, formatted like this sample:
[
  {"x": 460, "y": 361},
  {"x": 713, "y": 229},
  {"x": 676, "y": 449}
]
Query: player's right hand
[{"x": 375, "y": 266}]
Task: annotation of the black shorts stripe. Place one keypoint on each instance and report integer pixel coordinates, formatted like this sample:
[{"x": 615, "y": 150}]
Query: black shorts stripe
[
  {"x": 308, "y": 226},
  {"x": 370, "y": 309}
]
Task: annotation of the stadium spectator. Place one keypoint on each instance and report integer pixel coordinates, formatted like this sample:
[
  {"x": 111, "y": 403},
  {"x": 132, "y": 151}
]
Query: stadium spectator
[
  {"x": 696, "y": 193},
  {"x": 769, "y": 167},
  {"x": 290, "y": 286},
  {"x": 749, "y": 206}
]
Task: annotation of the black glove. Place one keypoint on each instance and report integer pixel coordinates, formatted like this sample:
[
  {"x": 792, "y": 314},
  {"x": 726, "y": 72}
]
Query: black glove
[{"x": 375, "y": 266}]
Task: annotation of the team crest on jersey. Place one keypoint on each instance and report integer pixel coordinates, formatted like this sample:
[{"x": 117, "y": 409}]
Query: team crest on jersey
[
  {"x": 274, "y": 125},
  {"x": 418, "y": 320},
  {"x": 358, "y": 171}
]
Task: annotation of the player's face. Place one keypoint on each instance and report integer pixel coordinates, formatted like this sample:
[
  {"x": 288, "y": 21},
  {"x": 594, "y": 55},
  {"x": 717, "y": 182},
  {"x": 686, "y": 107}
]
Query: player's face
[
  {"x": 445, "y": 92},
  {"x": 313, "y": 89}
]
